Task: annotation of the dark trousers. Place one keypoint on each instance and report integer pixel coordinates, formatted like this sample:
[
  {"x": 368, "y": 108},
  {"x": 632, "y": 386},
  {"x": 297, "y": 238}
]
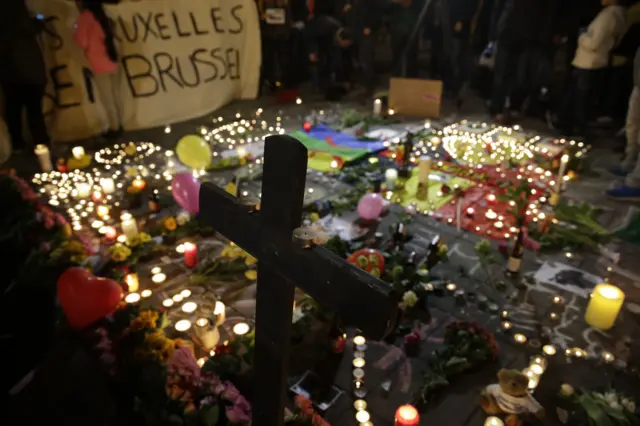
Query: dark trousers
[
  {"x": 400, "y": 42},
  {"x": 276, "y": 62},
  {"x": 19, "y": 97},
  {"x": 461, "y": 62},
  {"x": 366, "y": 56},
  {"x": 577, "y": 105},
  {"x": 514, "y": 71}
]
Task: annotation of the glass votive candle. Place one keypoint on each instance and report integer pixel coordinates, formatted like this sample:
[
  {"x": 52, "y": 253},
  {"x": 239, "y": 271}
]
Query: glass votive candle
[
  {"x": 360, "y": 404},
  {"x": 358, "y": 362}
]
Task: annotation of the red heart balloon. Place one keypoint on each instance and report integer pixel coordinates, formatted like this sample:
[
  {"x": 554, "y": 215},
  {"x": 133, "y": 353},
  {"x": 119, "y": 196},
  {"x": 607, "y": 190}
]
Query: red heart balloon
[{"x": 86, "y": 298}]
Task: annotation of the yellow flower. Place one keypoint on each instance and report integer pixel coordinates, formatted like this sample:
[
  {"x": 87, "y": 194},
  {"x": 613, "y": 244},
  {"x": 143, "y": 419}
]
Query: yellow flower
[
  {"x": 314, "y": 217},
  {"x": 251, "y": 274},
  {"x": 134, "y": 241},
  {"x": 170, "y": 224},
  {"x": 119, "y": 252},
  {"x": 250, "y": 260},
  {"x": 146, "y": 320},
  {"x": 243, "y": 161},
  {"x": 144, "y": 237},
  {"x": 130, "y": 149},
  {"x": 231, "y": 188},
  {"x": 233, "y": 252}
]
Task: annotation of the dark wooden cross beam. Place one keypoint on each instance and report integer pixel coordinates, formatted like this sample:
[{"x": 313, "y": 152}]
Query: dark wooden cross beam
[{"x": 358, "y": 298}]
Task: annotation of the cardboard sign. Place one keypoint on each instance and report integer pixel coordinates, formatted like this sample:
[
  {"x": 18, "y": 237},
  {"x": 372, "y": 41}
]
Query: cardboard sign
[{"x": 416, "y": 97}]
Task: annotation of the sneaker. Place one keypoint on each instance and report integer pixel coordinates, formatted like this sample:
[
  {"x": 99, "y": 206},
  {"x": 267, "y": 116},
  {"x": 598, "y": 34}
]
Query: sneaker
[
  {"x": 624, "y": 192},
  {"x": 618, "y": 171}
]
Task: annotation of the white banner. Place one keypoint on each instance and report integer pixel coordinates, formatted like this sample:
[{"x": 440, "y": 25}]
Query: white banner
[{"x": 179, "y": 59}]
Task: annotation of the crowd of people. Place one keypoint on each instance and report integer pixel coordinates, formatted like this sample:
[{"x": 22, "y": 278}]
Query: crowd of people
[{"x": 570, "y": 61}]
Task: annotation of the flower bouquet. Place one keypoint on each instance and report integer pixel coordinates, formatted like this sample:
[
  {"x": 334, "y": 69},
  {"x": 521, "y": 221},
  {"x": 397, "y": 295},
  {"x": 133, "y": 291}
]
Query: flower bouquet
[
  {"x": 609, "y": 408},
  {"x": 304, "y": 414},
  {"x": 467, "y": 346},
  {"x": 158, "y": 378}
]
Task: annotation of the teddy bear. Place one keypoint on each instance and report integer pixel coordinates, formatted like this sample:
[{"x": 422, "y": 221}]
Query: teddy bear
[{"x": 510, "y": 396}]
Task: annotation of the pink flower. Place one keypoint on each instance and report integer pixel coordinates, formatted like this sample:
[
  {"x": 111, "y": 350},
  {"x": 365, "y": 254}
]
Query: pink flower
[
  {"x": 231, "y": 393},
  {"x": 185, "y": 365},
  {"x": 48, "y": 222},
  {"x": 237, "y": 415}
]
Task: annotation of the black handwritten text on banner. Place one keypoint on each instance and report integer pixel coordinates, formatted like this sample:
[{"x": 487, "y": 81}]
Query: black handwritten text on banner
[{"x": 178, "y": 60}]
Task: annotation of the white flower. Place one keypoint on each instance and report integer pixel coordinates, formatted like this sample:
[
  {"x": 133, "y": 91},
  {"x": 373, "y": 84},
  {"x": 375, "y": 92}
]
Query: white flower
[
  {"x": 615, "y": 405},
  {"x": 611, "y": 398},
  {"x": 598, "y": 395},
  {"x": 409, "y": 298},
  {"x": 629, "y": 404},
  {"x": 566, "y": 389},
  {"x": 182, "y": 218}
]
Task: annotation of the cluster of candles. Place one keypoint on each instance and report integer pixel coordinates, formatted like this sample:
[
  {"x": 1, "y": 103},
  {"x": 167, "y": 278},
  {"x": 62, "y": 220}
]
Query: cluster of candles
[
  {"x": 359, "y": 390},
  {"x": 122, "y": 153}
]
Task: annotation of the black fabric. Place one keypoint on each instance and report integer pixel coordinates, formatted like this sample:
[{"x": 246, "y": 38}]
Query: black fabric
[
  {"x": 19, "y": 97},
  {"x": 524, "y": 21}
]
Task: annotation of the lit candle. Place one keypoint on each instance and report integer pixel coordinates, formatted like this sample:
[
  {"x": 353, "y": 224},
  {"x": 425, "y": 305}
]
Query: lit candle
[
  {"x": 241, "y": 152},
  {"x": 451, "y": 287},
  {"x": 132, "y": 282},
  {"x": 107, "y": 185},
  {"x": 363, "y": 416},
  {"x": 146, "y": 293},
  {"x": 102, "y": 211},
  {"x": 360, "y": 404},
  {"x": 78, "y": 152},
  {"x": 490, "y": 214},
  {"x": 377, "y": 107},
  {"x": 139, "y": 184},
  {"x": 84, "y": 189},
  {"x": 607, "y": 357},
  {"x": 536, "y": 369},
  {"x": 549, "y": 350},
  {"x": 555, "y": 197},
  {"x": 424, "y": 169},
  {"x": 132, "y": 298},
  {"x": 129, "y": 225},
  {"x": 493, "y": 421},
  {"x": 189, "y": 307},
  {"x": 358, "y": 362},
  {"x": 407, "y": 415},
  {"x": 158, "y": 278},
  {"x": 604, "y": 306},
  {"x": 110, "y": 233},
  {"x": 520, "y": 338},
  {"x": 183, "y": 325},
  {"x": 190, "y": 255},
  {"x": 506, "y": 325},
  {"x": 220, "y": 311},
  {"x": 44, "y": 157},
  {"x": 391, "y": 176},
  {"x": 538, "y": 360},
  {"x": 241, "y": 328},
  {"x": 96, "y": 196}
]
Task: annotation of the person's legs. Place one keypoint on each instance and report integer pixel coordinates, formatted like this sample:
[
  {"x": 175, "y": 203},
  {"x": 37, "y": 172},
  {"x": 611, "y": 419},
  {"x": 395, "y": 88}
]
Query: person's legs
[
  {"x": 104, "y": 85},
  {"x": 462, "y": 64},
  {"x": 585, "y": 80},
  {"x": 632, "y": 129},
  {"x": 13, "y": 100},
  {"x": 33, "y": 95},
  {"x": 366, "y": 51},
  {"x": 504, "y": 69}
]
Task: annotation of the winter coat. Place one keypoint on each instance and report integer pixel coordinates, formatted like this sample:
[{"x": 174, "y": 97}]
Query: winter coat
[
  {"x": 321, "y": 30},
  {"x": 362, "y": 14},
  {"x": 20, "y": 55},
  {"x": 403, "y": 18},
  {"x": 89, "y": 36},
  {"x": 463, "y": 11},
  {"x": 523, "y": 21},
  {"x": 602, "y": 35}
]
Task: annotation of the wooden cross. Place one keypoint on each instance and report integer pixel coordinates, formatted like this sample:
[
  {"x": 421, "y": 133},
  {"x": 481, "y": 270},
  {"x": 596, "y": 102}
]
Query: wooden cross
[{"x": 358, "y": 298}]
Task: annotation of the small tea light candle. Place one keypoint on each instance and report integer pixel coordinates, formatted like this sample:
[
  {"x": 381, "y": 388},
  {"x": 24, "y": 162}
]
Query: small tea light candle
[
  {"x": 102, "y": 211},
  {"x": 358, "y": 373},
  {"x": 539, "y": 360},
  {"x": 78, "y": 152},
  {"x": 132, "y": 282},
  {"x": 498, "y": 225},
  {"x": 190, "y": 255},
  {"x": 490, "y": 214},
  {"x": 520, "y": 338},
  {"x": 83, "y": 189},
  {"x": 578, "y": 353},
  {"x": 491, "y": 198},
  {"x": 177, "y": 298},
  {"x": 363, "y": 416},
  {"x": 360, "y": 404},
  {"x": 96, "y": 196},
  {"x": 146, "y": 293},
  {"x": 180, "y": 248},
  {"x": 110, "y": 233},
  {"x": 391, "y": 176},
  {"x": 361, "y": 343},
  {"x": 549, "y": 350},
  {"x": 451, "y": 287},
  {"x": 493, "y": 421},
  {"x": 220, "y": 311},
  {"x": 241, "y": 328},
  {"x": 129, "y": 225},
  {"x": 167, "y": 303},
  {"x": 189, "y": 307},
  {"x": 44, "y": 157},
  {"x": 536, "y": 369},
  {"x": 358, "y": 362},
  {"x": 139, "y": 184},
  {"x": 608, "y": 357},
  {"x": 185, "y": 293},
  {"x": 506, "y": 325},
  {"x": 158, "y": 278},
  {"x": 132, "y": 298},
  {"x": 156, "y": 270},
  {"x": 107, "y": 185},
  {"x": 183, "y": 325},
  {"x": 202, "y": 322},
  {"x": 604, "y": 306},
  {"x": 407, "y": 415}
]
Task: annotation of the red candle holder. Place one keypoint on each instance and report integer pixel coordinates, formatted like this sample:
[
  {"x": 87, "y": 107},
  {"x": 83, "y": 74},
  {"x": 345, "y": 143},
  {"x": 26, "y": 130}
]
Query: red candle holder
[
  {"x": 190, "y": 255},
  {"x": 407, "y": 415},
  {"x": 110, "y": 234}
]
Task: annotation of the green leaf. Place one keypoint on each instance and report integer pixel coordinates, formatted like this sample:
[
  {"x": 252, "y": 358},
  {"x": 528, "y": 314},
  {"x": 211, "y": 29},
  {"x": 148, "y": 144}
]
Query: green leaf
[{"x": 210, "y": 415}]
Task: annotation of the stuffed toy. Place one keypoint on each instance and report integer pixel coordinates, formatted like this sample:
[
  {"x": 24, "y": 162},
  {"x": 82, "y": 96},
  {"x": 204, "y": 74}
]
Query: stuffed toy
[{"x": 511, "y": 398}]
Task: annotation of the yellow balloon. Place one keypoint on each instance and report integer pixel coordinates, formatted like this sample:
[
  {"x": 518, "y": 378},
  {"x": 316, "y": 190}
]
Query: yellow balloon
[{"x": 194, "y": 152}]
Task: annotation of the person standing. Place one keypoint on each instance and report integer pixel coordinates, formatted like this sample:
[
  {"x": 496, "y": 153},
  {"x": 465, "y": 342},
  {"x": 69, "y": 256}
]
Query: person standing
[
  {"x": 630, "y": 167},
  {"x": 592, "y": 58},
  {"x": 403, "y": 18},
  {"x": 517, "y": 29},
  {"x": 22, "y": 73},
  {"x": 94, "y": 35},
  {"x": 461, "y": 14}
]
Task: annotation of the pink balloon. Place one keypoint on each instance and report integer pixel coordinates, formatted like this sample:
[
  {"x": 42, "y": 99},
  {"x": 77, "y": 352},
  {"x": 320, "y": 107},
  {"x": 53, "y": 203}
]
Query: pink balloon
[
  {"x": 186, "y": 191},
  {"x": 370, "y": 206}
]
